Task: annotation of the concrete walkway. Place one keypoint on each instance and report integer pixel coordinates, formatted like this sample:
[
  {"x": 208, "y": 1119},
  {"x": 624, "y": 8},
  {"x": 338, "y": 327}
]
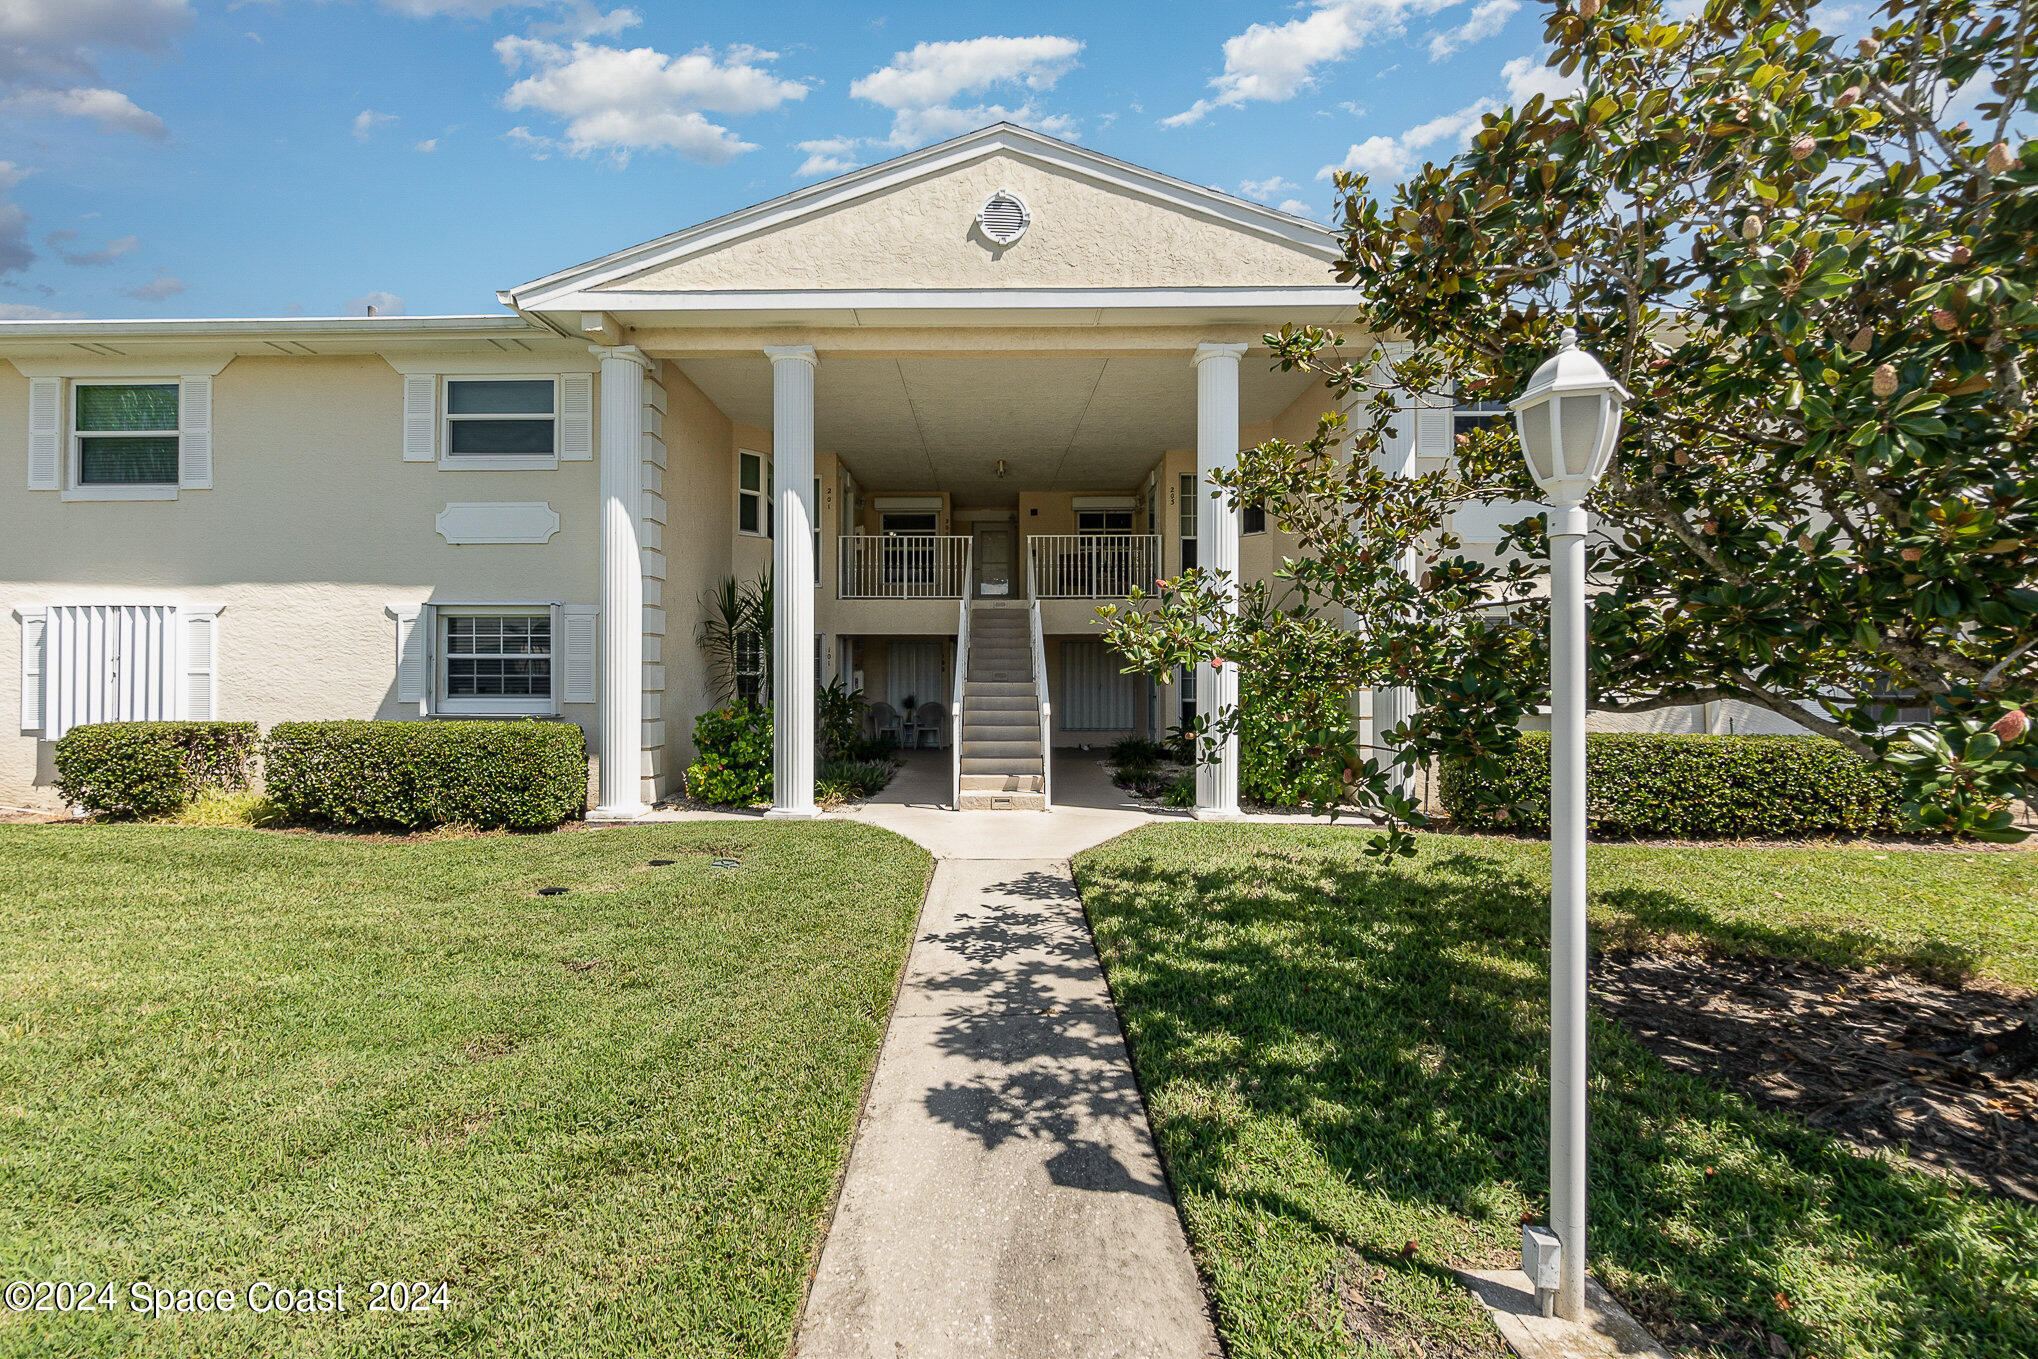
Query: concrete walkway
[{"x": 1004, "y": 1197}]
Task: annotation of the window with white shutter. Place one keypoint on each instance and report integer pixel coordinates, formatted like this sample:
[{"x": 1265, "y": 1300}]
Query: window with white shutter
[{"x": 116, "y": 663}]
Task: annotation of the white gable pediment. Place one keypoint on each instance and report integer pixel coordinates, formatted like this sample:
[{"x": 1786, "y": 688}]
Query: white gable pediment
[{"x": 913, "y": 224}]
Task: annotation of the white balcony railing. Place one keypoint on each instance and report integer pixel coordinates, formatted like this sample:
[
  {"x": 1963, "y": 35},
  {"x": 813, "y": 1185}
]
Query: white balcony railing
[
  {"x": 903, "y": 566},
  {"x": 1092, "y": 565}
]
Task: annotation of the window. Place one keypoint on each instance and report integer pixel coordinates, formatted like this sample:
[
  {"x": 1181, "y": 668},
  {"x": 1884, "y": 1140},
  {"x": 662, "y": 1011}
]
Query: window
[
  {"x": 1473, "y": 415},
  {"x": 1252, "y": 519},
  {"x": 1187, "y": 511},
  {"x": 750, "y": 663},
  {"x": 753, "y": 494},
  {"x": 498, "y": 423},
  {"x": 495, "y": 661},
  {"x": 1112, "y": 522},
  {"x": 124, "y": 434},
  {"x": 892, "y": 523}
]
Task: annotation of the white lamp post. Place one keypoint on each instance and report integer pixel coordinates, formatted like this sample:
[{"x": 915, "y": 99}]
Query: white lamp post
[{"x": 1568, "y": 419}]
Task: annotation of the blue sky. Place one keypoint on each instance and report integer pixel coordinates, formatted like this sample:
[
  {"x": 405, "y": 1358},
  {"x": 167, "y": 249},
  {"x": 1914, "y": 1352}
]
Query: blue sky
[{"x": 281, "y": 157}]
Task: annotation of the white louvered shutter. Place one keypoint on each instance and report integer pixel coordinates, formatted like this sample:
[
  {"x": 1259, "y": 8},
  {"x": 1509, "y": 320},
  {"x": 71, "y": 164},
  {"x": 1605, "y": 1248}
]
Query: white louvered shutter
[
  {"x": 413, "y": 655},
  {"x": 1433, "y": 422},
  {"x": 108, "y": 663},
  {"x": 45, "y": 433},
  {"x": 33, "y": 621},
  {"x": 200, "y": 668},
  {"x": 420, "y": 418},
  {"x": 576, "y": 417},
  {"x": 576, "y": 650},
  {"x": 194, "y": 430}
]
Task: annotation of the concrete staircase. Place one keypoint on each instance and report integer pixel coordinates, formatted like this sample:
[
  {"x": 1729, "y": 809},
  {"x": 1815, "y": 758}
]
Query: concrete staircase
[{"x": 1003, "y": 765}]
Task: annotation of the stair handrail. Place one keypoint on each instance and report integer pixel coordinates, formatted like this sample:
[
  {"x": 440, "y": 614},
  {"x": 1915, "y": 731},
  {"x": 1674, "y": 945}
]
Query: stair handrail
[
  {"x": 1046, "y": 710},
  {"x": 955, "y": 708}
]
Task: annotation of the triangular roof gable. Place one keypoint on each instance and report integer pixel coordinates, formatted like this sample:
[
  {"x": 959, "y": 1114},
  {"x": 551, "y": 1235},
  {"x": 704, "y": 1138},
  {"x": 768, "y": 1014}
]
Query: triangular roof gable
[{"x": 1207, "y": 205}]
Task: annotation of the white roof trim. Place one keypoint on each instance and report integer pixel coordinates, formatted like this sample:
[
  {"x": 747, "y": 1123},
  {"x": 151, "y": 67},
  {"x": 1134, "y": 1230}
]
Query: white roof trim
[
  {"x": 1211, "y": 204},
  {"x": 294, "y": 327},
  {"x": 630, "y": 304}
]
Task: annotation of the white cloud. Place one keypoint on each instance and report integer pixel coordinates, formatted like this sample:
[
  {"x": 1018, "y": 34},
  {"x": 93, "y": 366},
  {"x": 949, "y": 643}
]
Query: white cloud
[
  {"x": 1393, "y": 157},
  {"x": 1526, "y": 77},
  {"x": 114, "y": 249},
  {"x": 51, "y": 42},
  {"x": 1265, "y": 189},
  {"x": 921, "y": 86},
  {"x": 49, "y": 56},
  {"x": 1297, "y": 208},
  {"x": 428, "y": 145},
  {"x": 1272, "y": 62},
  {"x": 829, "y": 156},
  {"x": 622, "y": 100},
  {"x": 1487, "y": 18},
  {"x": 110, "y": 109},
  {"x": 385, "y": 304},
  {"x": 367, "y": 120},
  {"x": 156, "y": 289},
  {"x": 22, "y": 311}
]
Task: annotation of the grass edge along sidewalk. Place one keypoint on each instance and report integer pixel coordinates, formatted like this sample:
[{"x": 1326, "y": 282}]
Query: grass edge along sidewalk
[{"x": 1344, "y": 1065}]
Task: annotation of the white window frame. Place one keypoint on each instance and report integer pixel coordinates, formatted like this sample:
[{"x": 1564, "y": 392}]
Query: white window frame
[
  {"x": 763, "y": 493},
  {"x": 494, "y": 705},
  {"x": 74, "y": 487},
  {"x": 1474, "y": 414},
  {"x": 449, "y": 461}
]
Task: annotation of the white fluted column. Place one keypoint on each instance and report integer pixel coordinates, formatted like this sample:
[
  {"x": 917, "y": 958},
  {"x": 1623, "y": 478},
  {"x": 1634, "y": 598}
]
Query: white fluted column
[
  {"x": 1394, "y": 704},
  {"x": 792, "y": 583},
  {"x": 1217, "y": 551},
  {"x": 620, "y": 716}
]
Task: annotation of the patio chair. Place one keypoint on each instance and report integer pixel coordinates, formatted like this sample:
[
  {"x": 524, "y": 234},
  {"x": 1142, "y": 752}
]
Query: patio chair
[
  {"x": 931, "y": 719},
  {"x": 885, "y": 721}
]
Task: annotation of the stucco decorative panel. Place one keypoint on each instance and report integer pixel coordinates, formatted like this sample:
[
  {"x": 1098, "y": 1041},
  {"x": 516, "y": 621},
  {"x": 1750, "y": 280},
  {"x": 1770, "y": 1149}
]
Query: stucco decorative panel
[
  {"x": 925, "y": 234},
  {"x": 497, "y": 521}
]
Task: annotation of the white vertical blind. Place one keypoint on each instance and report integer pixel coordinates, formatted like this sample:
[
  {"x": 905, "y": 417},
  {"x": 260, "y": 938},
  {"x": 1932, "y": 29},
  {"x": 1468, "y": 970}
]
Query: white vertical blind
[
  {"x": 1094, "y": 695},
  {"x": 108, "y": 663},
  {"x": 914, "y": 669}
]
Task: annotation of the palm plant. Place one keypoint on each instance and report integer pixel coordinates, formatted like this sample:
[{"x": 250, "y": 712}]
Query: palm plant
[{"x": 735, "y": 636}]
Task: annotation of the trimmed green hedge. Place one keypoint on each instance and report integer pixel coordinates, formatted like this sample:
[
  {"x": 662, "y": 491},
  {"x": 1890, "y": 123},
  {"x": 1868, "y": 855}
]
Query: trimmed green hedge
[
  {"x": 151, "y": 768},
  {"x": 410, "y": 775},
  {"x": 1704, "y": 787}
]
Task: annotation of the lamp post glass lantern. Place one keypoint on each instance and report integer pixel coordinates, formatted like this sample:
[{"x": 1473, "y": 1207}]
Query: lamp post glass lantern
[{"x": 1568, "y": 420}]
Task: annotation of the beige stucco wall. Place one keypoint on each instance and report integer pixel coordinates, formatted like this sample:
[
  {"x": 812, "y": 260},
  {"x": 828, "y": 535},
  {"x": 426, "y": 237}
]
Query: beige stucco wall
[
  {"x": 699, "y": 541},
  {"x": 314, "y": 530},
  {"x": 922, "y": 235}
]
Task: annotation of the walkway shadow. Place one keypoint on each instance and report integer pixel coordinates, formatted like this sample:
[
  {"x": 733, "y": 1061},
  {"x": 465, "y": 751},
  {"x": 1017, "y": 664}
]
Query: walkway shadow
[{"x": 1034, "y": 1021}]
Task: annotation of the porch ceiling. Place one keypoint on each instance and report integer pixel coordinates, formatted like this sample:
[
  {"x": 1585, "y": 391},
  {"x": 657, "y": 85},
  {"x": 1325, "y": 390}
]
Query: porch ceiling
[{"x": 1067, "y": 421}]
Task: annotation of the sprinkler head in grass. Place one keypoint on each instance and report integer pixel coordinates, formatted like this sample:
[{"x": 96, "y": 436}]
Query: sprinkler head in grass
[
  {"x": 662, "y": 863},
  {"x": 551, "y": 891},
  {"x": 728, "y": 863}
]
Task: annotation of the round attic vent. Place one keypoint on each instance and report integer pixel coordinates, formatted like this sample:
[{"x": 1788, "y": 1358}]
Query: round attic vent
[{"x": 1004, "y": 217}]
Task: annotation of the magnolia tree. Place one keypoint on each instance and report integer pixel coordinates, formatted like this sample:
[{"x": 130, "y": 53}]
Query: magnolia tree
[{"x": 1811, "y": 260}]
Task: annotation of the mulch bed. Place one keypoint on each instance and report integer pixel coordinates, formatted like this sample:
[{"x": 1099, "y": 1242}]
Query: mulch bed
[{"x": 1889, "y": 1064}]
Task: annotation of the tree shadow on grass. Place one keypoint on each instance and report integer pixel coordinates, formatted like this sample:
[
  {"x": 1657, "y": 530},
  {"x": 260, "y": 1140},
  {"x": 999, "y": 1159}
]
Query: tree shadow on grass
[{"x": 1395, "y": 1019}]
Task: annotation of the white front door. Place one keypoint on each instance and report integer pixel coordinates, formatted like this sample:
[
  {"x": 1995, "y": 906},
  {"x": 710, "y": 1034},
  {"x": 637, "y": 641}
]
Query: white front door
[{"x": 993, "y": 556}]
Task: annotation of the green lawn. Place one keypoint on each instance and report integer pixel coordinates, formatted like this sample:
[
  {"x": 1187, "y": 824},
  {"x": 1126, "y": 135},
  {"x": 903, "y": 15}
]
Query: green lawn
[
  {"x": 609, "y": 1121},
  {"x": 1342, "y": 1060}
]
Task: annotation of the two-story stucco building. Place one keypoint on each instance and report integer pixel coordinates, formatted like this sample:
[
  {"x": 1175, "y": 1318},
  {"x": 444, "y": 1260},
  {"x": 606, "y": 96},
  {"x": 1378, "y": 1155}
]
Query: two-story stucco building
[{"x": 965, "y": 395}]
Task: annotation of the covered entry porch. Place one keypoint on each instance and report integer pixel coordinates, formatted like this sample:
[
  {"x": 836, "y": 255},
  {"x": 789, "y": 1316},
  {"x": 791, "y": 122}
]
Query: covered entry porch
[{"x": 994, "y": 494}]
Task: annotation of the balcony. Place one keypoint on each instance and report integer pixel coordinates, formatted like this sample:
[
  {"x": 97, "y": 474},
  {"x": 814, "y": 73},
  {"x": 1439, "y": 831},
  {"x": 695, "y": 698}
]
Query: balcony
[
  {"x": 1091, "y": 565},
  {"x": 903, "y": 566}
]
